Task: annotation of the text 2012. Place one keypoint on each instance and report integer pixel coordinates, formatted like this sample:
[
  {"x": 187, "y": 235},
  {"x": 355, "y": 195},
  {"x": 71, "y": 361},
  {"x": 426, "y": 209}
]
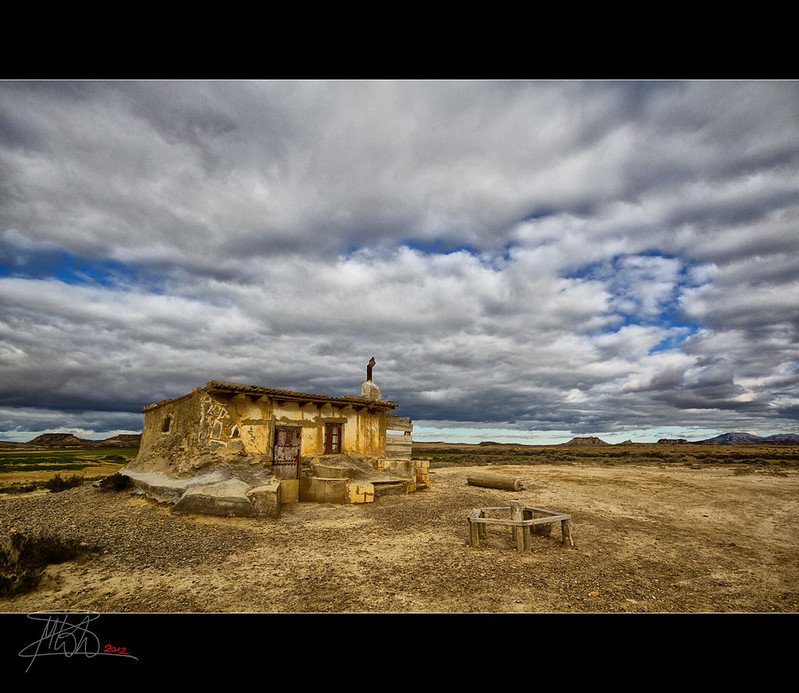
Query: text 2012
[{"x": 110, "y": 649}]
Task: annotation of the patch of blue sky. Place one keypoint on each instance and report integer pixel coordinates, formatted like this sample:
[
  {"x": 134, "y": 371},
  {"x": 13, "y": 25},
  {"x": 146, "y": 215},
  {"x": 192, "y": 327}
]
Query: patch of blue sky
[
  {"x": 542, "y": 213},
  {"x": 67, "y": 267},
  {"x": 438, "y": 246},
  {"x": 612, "y": 266},
  {"x": 679, "y": 331},
  {"x": 496, "y": 258},
  {"x": 627, "y": 283}
]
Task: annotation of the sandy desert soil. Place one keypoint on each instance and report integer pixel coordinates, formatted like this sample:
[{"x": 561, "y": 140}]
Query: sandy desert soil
[{"x": 648, "y": 538}]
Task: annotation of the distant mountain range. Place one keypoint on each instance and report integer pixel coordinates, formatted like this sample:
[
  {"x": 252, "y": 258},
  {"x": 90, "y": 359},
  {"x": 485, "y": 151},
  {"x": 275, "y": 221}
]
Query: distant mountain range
[
  {"x": 723, "y": 438},
  {"x": 751, "y": 438},
  {"x": 67, "y": 440}
]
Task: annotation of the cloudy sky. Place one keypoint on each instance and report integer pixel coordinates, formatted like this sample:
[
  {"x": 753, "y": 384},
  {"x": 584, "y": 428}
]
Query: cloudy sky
[{"x": 526, "y": 261}]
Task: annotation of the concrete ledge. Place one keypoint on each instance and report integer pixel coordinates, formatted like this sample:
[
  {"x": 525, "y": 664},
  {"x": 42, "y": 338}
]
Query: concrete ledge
[
  {"x": 208, "y": 505},
  {"x": 387, "y": 488},
  {"x": 330, "y": 471},
  {"x": 217, "y": 493},
  {"x": 166, "y": 489},
  {"x": 227, "y": 498},
  {"x": 314, "y": 489}
]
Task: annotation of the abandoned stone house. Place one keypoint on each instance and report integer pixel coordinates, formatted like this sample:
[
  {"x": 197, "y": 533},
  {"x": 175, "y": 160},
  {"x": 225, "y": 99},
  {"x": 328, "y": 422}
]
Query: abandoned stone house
[{"x": 231, "y": 449}]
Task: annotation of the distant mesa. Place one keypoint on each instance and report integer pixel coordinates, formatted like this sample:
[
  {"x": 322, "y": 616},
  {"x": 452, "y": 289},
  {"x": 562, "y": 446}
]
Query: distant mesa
[
  {"x": 672, "y": 441},
  {"x": 67, "y": 440},
  {"x": 57, "y": 440},
  {"x": 588, "y": 440}
]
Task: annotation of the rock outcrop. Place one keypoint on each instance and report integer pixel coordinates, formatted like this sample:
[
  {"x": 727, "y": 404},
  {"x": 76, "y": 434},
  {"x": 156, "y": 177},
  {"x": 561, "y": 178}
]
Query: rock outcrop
[{"x": 588, "y": 440}]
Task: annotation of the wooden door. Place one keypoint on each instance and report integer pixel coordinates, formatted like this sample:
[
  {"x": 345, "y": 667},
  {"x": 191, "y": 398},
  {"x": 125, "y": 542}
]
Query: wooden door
[{"x": 286, "y": 460}]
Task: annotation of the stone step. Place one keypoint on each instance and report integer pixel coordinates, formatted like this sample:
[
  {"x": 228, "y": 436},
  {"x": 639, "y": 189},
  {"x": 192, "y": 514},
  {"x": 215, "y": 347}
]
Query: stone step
[{"x": 386, "y": 488}]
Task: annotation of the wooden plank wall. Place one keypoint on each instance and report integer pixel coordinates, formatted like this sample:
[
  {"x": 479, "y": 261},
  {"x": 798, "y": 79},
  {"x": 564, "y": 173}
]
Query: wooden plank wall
[{"x": 398, "y": 437}]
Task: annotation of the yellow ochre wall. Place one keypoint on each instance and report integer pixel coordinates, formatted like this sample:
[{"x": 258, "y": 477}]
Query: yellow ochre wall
[
  {"x": 210, "y": 421},
  {"x": 364, "y": 431}
]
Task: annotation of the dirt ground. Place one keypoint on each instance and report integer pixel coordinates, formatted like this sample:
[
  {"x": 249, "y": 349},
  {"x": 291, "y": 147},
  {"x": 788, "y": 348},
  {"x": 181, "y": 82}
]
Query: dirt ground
[{"x": 647, "y": 538}]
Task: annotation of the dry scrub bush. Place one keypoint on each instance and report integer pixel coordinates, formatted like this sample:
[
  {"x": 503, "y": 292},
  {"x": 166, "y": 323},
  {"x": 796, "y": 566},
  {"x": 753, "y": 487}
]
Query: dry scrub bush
[
  {"x": 56, "y": 483},
  {"x": 23, "y": 558}
]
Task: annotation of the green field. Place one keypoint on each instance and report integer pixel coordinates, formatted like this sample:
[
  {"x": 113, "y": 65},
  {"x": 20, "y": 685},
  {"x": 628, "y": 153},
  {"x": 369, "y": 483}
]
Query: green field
[{"x": 16, "y": 461}]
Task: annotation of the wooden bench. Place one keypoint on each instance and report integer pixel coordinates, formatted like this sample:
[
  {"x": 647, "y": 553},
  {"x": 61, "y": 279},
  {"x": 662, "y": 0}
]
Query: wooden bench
[{"x": 521, "y": 521}]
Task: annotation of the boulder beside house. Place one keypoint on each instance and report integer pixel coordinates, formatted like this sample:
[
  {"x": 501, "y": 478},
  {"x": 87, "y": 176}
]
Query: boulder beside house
[{"x": 242, "y": 450}]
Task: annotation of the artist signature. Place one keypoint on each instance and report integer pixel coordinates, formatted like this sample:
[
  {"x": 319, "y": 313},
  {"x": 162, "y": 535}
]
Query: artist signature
[{"x": 66, "y": 634}]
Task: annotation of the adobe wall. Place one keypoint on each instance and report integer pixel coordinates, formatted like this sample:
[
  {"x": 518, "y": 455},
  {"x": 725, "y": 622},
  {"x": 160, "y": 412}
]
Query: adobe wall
[
  {"x": 192, "y": 431},
  {"x": 249, "y": 424},
  {"x": 212, "y": 452}
]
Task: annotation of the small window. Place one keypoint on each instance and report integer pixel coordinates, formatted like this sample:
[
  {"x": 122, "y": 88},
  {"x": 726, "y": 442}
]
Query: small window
[
  {"x": 333, "y": 438},
  {"x": 167, "y": 423}
]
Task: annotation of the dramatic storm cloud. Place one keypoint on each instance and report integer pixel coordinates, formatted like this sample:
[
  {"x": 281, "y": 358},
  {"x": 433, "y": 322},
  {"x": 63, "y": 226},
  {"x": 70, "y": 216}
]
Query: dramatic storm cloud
[{"x": 525, "y": 260}]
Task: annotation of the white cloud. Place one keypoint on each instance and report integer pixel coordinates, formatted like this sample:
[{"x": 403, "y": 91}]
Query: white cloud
[{"x": 548, "y": 255}]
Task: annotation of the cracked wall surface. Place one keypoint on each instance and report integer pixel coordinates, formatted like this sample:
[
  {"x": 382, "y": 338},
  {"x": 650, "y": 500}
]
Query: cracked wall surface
[{"x": 193, "y": 431}]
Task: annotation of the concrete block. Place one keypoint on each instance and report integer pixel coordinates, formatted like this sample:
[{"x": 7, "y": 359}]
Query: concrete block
[
  {"x": 361, "y": 493},
  {"x": 266, "y": 500},
  {"x": 323, "y": 490},
  {"x": 401, "y": 468}
]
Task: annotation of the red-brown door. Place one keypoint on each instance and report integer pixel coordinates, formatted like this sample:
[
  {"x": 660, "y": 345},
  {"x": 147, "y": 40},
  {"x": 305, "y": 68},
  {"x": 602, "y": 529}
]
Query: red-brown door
[{"x": 286, "y": 462}]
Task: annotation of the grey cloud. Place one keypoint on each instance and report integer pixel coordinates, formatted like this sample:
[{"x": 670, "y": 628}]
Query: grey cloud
[{"x": 265, "y": 232}]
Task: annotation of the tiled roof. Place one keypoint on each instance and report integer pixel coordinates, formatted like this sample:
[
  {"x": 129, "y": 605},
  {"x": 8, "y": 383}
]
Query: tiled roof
[
  {"x": 296, "y": 396},
  {"x": 290, "y": 395}
]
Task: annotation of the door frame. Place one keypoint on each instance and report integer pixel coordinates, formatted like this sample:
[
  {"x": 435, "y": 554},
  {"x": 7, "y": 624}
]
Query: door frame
[
  {"x": 328, "y": 444},
  {"x": 289, "y": 488}
]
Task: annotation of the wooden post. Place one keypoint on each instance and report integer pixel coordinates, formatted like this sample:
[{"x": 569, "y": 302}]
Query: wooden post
[
  {"x": 566, "y": 532},
  {"x": 527, "y": 530},
  {"x": 474, "y": 527},
  {"x": 474, "y": 533},
  {"x": 516, "y": 513}
]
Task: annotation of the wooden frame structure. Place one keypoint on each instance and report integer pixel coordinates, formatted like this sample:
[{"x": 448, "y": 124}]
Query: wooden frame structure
[{"x": 522, "y": 522}]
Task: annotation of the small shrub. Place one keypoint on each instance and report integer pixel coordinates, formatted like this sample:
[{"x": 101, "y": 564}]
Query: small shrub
[
  {"x": 114, "y": 482},
  {"x": 56, "y": 483},
  {"x": 23, "y": 558}
]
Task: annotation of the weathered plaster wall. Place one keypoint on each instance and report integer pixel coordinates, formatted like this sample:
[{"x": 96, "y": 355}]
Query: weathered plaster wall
[
  {"x": 212, "y": 451},
  {"x": 210, "y": 422},
  {"x": 249, "y": 424},
  {"x": 171, "y": 438}
]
